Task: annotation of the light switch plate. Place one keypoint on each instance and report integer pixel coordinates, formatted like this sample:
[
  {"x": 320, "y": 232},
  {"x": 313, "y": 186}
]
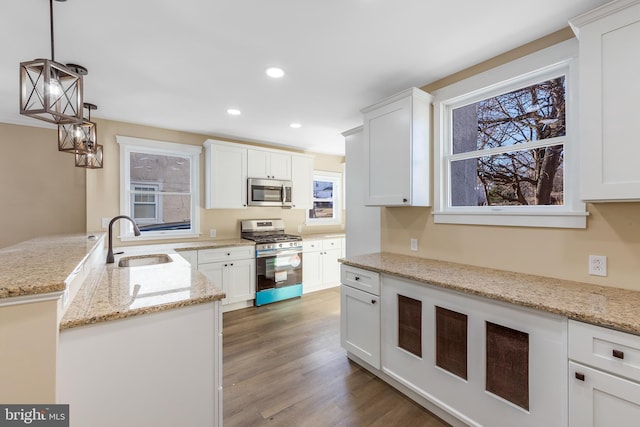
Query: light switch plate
[
  {"x": 414, "y": 245},
  {"x": 212, "y": 232}
]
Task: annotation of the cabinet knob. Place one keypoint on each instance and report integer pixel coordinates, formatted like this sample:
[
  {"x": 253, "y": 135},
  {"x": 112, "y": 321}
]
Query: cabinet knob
[
  {"x": 373, "y": 301},
  {"x": 579, "y": 376},
  {"x": 225, "y": 265},
  {"x": 356, "y": 278},
  {"x": 404, "y": 200},
  {"x": 228, "y": 254},
  {"x": 231, "y": 264},
  {"x": 618, "y": 354}
]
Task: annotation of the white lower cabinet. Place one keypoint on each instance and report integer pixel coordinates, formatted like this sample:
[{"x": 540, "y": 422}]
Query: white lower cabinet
[
  {"x": 484, "y": 362},
  {"x": 320, "y": 269},
  {"x": 160, "y": 369},
  {"x": 360, "y": 317},
  {"x": 232, "y": 269},
  {"x": 604, "y": 377}
]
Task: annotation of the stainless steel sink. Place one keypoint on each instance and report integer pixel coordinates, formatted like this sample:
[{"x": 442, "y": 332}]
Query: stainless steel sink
[{"x": 141, "y": 260}]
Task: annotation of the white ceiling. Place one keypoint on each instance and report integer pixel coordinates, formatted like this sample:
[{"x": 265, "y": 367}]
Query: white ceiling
[{"x": 180, "y": 64}]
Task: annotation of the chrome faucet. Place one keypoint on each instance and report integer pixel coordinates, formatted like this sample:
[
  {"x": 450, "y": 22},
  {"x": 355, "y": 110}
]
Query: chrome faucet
[{"x": 136, "y": 231}]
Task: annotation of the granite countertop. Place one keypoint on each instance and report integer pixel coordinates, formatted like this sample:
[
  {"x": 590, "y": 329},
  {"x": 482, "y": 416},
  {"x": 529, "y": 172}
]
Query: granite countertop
[
  {"x": 599, "y": 305},
  {"x": 42, "y": 265},
  {"x": 113, "y": 292}
]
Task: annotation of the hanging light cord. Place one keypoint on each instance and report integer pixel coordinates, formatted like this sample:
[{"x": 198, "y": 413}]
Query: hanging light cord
[{"x": 53, "y": 58}]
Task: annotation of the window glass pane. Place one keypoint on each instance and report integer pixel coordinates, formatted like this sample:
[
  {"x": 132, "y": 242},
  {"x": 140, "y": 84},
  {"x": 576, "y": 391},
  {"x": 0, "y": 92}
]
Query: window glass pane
[
  {"x": 170, "y": 212},
  {"x": 144, "y": 211},
  {"x": 321, "y": 210},
  {"x": 532, "y": 113},
  {"x": 527, "y": 177},
  {"x": 172, "y": 173},
  {"x": 322, "y": 189}
]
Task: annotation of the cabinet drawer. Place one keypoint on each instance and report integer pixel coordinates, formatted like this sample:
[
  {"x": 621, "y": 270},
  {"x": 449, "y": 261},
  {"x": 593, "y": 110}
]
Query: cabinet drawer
[
  {"x": 225, "y": 254},
  {"x": 331, "y": 243},
  {"x": 358, "y": 278},
  {"x": 311, "y": 245},
  {"x": 606, "y": 349}
]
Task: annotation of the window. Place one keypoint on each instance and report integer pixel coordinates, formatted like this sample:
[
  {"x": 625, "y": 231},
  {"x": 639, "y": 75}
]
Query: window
[
  {"x": 506, "y": 145},
  {"x": 326, "y": 208},
  {"x": 159, "y": 188}
]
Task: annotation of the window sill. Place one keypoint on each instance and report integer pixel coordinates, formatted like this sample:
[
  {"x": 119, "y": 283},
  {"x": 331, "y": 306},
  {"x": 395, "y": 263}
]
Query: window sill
[
  {"x": 160, "y": 236},
  {"x": 514, "y": 219}
]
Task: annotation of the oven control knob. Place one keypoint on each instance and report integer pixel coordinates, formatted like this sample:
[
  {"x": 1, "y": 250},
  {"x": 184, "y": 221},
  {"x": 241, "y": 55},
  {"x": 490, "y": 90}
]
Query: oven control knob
[{"x": 280, "y": 245}]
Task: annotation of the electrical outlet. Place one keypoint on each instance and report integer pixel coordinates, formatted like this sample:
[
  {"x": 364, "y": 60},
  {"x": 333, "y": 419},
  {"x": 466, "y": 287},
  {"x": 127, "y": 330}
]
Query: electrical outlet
[
  {"x": 212, "y": 232},
  {"x": 597, "y": 265},
  {"x": 414, "y": 245},
  {"x": 299, "y": 229},
  {"x": 105, "y": 223}
]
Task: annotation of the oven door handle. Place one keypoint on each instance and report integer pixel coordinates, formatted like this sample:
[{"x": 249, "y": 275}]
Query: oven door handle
[{"x": 277, "y": 252}]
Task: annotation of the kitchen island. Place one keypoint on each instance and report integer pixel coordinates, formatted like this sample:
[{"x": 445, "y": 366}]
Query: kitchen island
[{"x": 136, "y": 345}]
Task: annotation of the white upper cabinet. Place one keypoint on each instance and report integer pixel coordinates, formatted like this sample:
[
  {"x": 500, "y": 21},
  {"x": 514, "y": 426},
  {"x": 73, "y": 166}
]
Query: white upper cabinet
[
  {"x": 609, "y": 92},
  {"x": 225, "y": 175},
  {"x": 302, "y": 179},
  {"x": 269, "y": 164},
  {"x": 397, "y": 150}
]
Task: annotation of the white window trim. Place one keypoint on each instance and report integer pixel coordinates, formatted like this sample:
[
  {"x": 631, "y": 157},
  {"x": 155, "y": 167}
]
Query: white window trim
[
  {"x": 337, "y": 199},
  {"x": 191, "y": 152},
  {"x": 553, "y": 61}
]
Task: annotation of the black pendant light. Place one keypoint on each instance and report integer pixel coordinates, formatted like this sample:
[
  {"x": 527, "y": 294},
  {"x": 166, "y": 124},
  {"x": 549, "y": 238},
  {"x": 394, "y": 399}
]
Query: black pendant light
[{"x": 51, "y": 91}]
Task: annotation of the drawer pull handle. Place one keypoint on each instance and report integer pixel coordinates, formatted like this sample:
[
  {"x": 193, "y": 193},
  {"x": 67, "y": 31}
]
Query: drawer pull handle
[
  {"x": 579, "y": 376},
  {"x": 618, "y": 354},
  {"x": 228, "y": 254},
  {"x": 373, "y": 301},
  {"x": 357, "y": 278}
]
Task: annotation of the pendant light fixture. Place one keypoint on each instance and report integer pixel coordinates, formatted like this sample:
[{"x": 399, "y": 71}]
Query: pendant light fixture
[
  {"x": 51, "y": 91},
  {"x": 78, "y": 138},
  {"x": 91, "y": 159}
]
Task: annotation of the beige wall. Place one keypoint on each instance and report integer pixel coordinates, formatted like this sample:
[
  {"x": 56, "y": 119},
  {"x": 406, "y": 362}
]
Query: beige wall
[
  {"x": 103, "y": 191},
  {"x": 613, "y": 229},
  {"x": 42, "y": 192}
]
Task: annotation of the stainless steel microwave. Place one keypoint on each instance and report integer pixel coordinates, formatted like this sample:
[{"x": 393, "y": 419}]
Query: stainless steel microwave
[{"x": 269, "y": 192}]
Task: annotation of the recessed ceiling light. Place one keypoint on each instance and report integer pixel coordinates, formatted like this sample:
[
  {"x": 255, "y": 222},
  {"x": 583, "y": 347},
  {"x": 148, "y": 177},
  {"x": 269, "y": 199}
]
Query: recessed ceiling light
[
  {"x": 295, "y": 125},
  {"x": 233, "y": 111},
  {"x": 275, "y": 72}
]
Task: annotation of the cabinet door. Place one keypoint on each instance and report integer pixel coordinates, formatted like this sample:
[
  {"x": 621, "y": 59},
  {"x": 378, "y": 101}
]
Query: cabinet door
[
  {"x": 280, "y": 165},
  {"x": 311, "y": 270},
  {"x": 599, "y": 399},
  {"x": 215, "y": 272},
  {"x": 609, "y": 93},
  {"x": 387, "y": 134},
  {"x": 331, "y": 267},
  {"x": 258, "y": 164},
  {"x": 302, "y": 179},
  {"x": 226, "y": 177},
  {"x": 360, "y": 324},
  {"x": 241, "y": 280}
]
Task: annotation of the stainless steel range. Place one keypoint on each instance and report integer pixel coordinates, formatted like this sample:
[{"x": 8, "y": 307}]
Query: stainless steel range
[{"x": 278, "y": 260}]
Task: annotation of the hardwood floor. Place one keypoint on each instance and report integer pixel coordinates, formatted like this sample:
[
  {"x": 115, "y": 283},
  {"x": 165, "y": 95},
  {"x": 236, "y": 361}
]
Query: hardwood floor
[{"x": 283, "y": 366}]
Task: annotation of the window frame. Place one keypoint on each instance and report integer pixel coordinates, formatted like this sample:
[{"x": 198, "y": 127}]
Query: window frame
[
  {"x": 139, "y": 145},
  {"x": 560, "y": 59},
  {"x": 337, "y": 179}
]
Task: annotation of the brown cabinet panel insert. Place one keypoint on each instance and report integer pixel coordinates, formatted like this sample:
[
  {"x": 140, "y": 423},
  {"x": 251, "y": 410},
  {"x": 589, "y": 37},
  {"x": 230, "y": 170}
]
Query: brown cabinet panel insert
[
  {"x": 508, "y": 364},
  {"x": 451, "y": 341},
  {"x": 410, "y": 325}
]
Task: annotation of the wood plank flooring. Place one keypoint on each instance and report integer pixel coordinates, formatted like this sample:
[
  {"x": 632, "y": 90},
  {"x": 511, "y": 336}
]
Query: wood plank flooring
[{"x": 283, "y": 366}]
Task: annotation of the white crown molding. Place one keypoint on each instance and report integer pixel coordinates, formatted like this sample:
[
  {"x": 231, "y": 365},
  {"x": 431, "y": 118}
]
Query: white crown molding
[
  {"x": 17, "y": 119},
  {"x": 599, "y": 13}
]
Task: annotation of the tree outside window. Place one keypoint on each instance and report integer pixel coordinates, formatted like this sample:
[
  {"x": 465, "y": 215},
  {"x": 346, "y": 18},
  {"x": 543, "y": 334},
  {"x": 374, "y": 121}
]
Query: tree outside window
[{"x": 496, "y": 133}]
